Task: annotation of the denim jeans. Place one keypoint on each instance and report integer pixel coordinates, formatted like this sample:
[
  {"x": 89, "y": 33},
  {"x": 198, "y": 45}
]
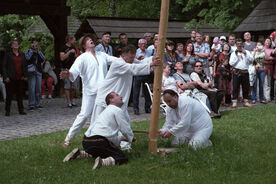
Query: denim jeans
[
  {"x": 34, "y": 82},
  {"x": 260, "y": 76}
]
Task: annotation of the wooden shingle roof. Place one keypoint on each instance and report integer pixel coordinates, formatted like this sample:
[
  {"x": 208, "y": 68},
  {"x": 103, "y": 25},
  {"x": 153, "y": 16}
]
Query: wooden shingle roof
[
  {"x": 135, "y": 28},
  {"x": 262, "y": 18},
  {"x": 39, "y": 26}
]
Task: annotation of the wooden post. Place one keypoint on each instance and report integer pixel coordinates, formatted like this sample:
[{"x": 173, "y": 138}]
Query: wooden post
[{"x": 154, "y": 118}]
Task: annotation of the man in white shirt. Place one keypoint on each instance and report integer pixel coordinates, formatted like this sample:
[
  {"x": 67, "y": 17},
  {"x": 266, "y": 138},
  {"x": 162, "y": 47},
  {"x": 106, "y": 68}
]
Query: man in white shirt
[
  {"x": 102, "y": 139},
  {"x": 187, "y": 120},
  {"x": 240, "y": 61},
  {"x": 119, "y": 79},
  {"x": 92, "y": 68}
]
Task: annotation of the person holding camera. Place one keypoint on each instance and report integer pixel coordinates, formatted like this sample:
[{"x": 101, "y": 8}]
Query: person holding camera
[
  {"x": 240, "y": 61},
  {"x": 34, "y": 58}
]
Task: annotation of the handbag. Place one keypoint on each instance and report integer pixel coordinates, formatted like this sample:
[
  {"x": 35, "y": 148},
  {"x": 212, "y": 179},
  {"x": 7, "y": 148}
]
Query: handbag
[{"x": 31, "y": 68}]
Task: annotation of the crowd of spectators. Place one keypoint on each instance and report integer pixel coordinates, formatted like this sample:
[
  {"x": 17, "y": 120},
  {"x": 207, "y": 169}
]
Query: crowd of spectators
[{"x": 218, "y": 71}]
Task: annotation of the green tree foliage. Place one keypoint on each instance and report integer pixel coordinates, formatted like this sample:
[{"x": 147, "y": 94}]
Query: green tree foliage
[
  {"x": 129, "y": 8},
  {"x": 13, "y": 27},
  {"x": 225, "y": 14}
]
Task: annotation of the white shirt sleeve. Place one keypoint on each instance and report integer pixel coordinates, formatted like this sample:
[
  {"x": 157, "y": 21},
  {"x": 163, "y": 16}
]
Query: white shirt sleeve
[
  {"x": 169, "y": 123},
  {"x": 184, "y": 123},
  {"x": 194, "y": 76},
  {"x": 249, "y": 57},
  {"x": 233, "y": 59},
  {"x": 135, "y": 69},
  {"x": 75, "y": 69},
  {"x": 109, "y": 59},
  {"x": 124, "y": 126}
]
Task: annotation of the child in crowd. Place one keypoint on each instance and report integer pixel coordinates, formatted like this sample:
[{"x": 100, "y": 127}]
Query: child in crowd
[
  {"x": 225, "y": 81},
  {"x": 216, "y": 46}
]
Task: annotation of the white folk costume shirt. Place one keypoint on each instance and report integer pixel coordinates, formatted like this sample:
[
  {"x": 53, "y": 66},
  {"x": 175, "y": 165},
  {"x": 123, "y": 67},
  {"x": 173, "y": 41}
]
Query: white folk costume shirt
[
  {"x": 187, "y": 119},
  {"x": 119, "y": 80},
  {"x": 240, "y": 60},
  {"x": 109, "y": 123},
  {"x": 92, "y": 71}
]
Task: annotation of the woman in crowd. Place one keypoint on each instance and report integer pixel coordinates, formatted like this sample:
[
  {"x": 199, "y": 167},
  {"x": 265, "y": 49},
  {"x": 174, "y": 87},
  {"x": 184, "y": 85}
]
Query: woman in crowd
[
  {"x": 259, "y": 56},
  {"x": 268, "y": 66},
  {"x": 48, "y": 78},
  {"x": 170, "y": 55},
  {"x": 189, "y": 58},
  {"x": 225, "y": 81},
  {"x": 206, "y": 86},
  {"x": 224, "y": 55}
]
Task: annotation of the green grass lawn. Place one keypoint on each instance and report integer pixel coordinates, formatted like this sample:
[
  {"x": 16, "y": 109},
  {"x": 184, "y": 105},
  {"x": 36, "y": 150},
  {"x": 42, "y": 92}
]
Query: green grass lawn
[{"x": 244, "y": 151}]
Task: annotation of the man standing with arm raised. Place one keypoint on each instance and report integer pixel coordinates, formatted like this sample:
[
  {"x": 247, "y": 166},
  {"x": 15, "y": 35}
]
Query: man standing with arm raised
[{"x": 92, "y": 68}]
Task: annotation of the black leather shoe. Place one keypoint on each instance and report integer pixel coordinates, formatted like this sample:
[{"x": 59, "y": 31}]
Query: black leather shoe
[
  {"x": 136, "y": 112},
  {"x": 147, "y": 110},
  {"x": 7, "y": 114},
  {"x": 22, "y": 113}
]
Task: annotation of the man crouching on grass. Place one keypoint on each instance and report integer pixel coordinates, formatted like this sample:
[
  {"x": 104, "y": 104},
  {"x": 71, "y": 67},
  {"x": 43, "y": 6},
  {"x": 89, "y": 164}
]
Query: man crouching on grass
[
  {"x": 102, "y": 140},
  {"x": 187, "y": 120}
]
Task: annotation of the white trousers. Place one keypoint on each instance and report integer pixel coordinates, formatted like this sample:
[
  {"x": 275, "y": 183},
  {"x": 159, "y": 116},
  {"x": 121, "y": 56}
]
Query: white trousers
[
  {"x": 199, "y": 139},
  {"x": 267, "y": 87},
  {"x": 87, "y": 106}
]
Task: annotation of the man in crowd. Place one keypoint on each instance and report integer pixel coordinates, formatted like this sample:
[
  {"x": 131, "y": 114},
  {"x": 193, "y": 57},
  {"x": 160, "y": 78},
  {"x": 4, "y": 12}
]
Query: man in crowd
[
  {"x": 92, "y": 67},
  {"x": 232, "y": 43},
  {"x": 187, "y": 120},
  {"x": 119, "y": 79},
  {"x": 14, "y": 68},
  {"x": 123, "y": 42},
  {"x": 240, "y": 60},
  {"x": 34, "y": 58},
  {"x": 147, "y": 37},
  {"x": 250, "y": 46},
  {"x": 67, "y": 56},
  {"x": 102, "y": 140},
  {"x": 139, "y": 81},
  {"x": 104, "y": 45},
  {"x": 152, "y": 47},
  {"x": 202, "y": 51}
]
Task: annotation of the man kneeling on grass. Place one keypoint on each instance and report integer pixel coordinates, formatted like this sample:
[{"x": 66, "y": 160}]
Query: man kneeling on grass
[
  {"x": 101, "y": 140},
  {"x": 187, "y": 120}
]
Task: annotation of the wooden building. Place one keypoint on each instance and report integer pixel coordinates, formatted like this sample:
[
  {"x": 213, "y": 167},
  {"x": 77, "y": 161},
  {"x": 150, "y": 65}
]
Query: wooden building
[
  {"x": 73, "y": 24},
  {"x": 135, "y": 28},
  {"x": 260, "y": 22},
  {"x": 53, "y": 12}
]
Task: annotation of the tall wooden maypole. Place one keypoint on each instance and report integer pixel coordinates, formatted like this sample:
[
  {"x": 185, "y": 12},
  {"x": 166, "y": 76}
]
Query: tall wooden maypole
[{"x": 154, "y": 118}]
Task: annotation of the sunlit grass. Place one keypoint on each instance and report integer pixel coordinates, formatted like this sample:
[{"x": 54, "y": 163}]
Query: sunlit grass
[{"x": 244, "y": 151}]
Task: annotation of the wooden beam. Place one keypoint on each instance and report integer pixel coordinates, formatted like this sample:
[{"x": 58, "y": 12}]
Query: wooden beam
[{"x": 154, "y": 118}]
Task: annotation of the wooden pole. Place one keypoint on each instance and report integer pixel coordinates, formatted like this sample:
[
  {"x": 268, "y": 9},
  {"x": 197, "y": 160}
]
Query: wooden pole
[{"x": 154, "y": 118}]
